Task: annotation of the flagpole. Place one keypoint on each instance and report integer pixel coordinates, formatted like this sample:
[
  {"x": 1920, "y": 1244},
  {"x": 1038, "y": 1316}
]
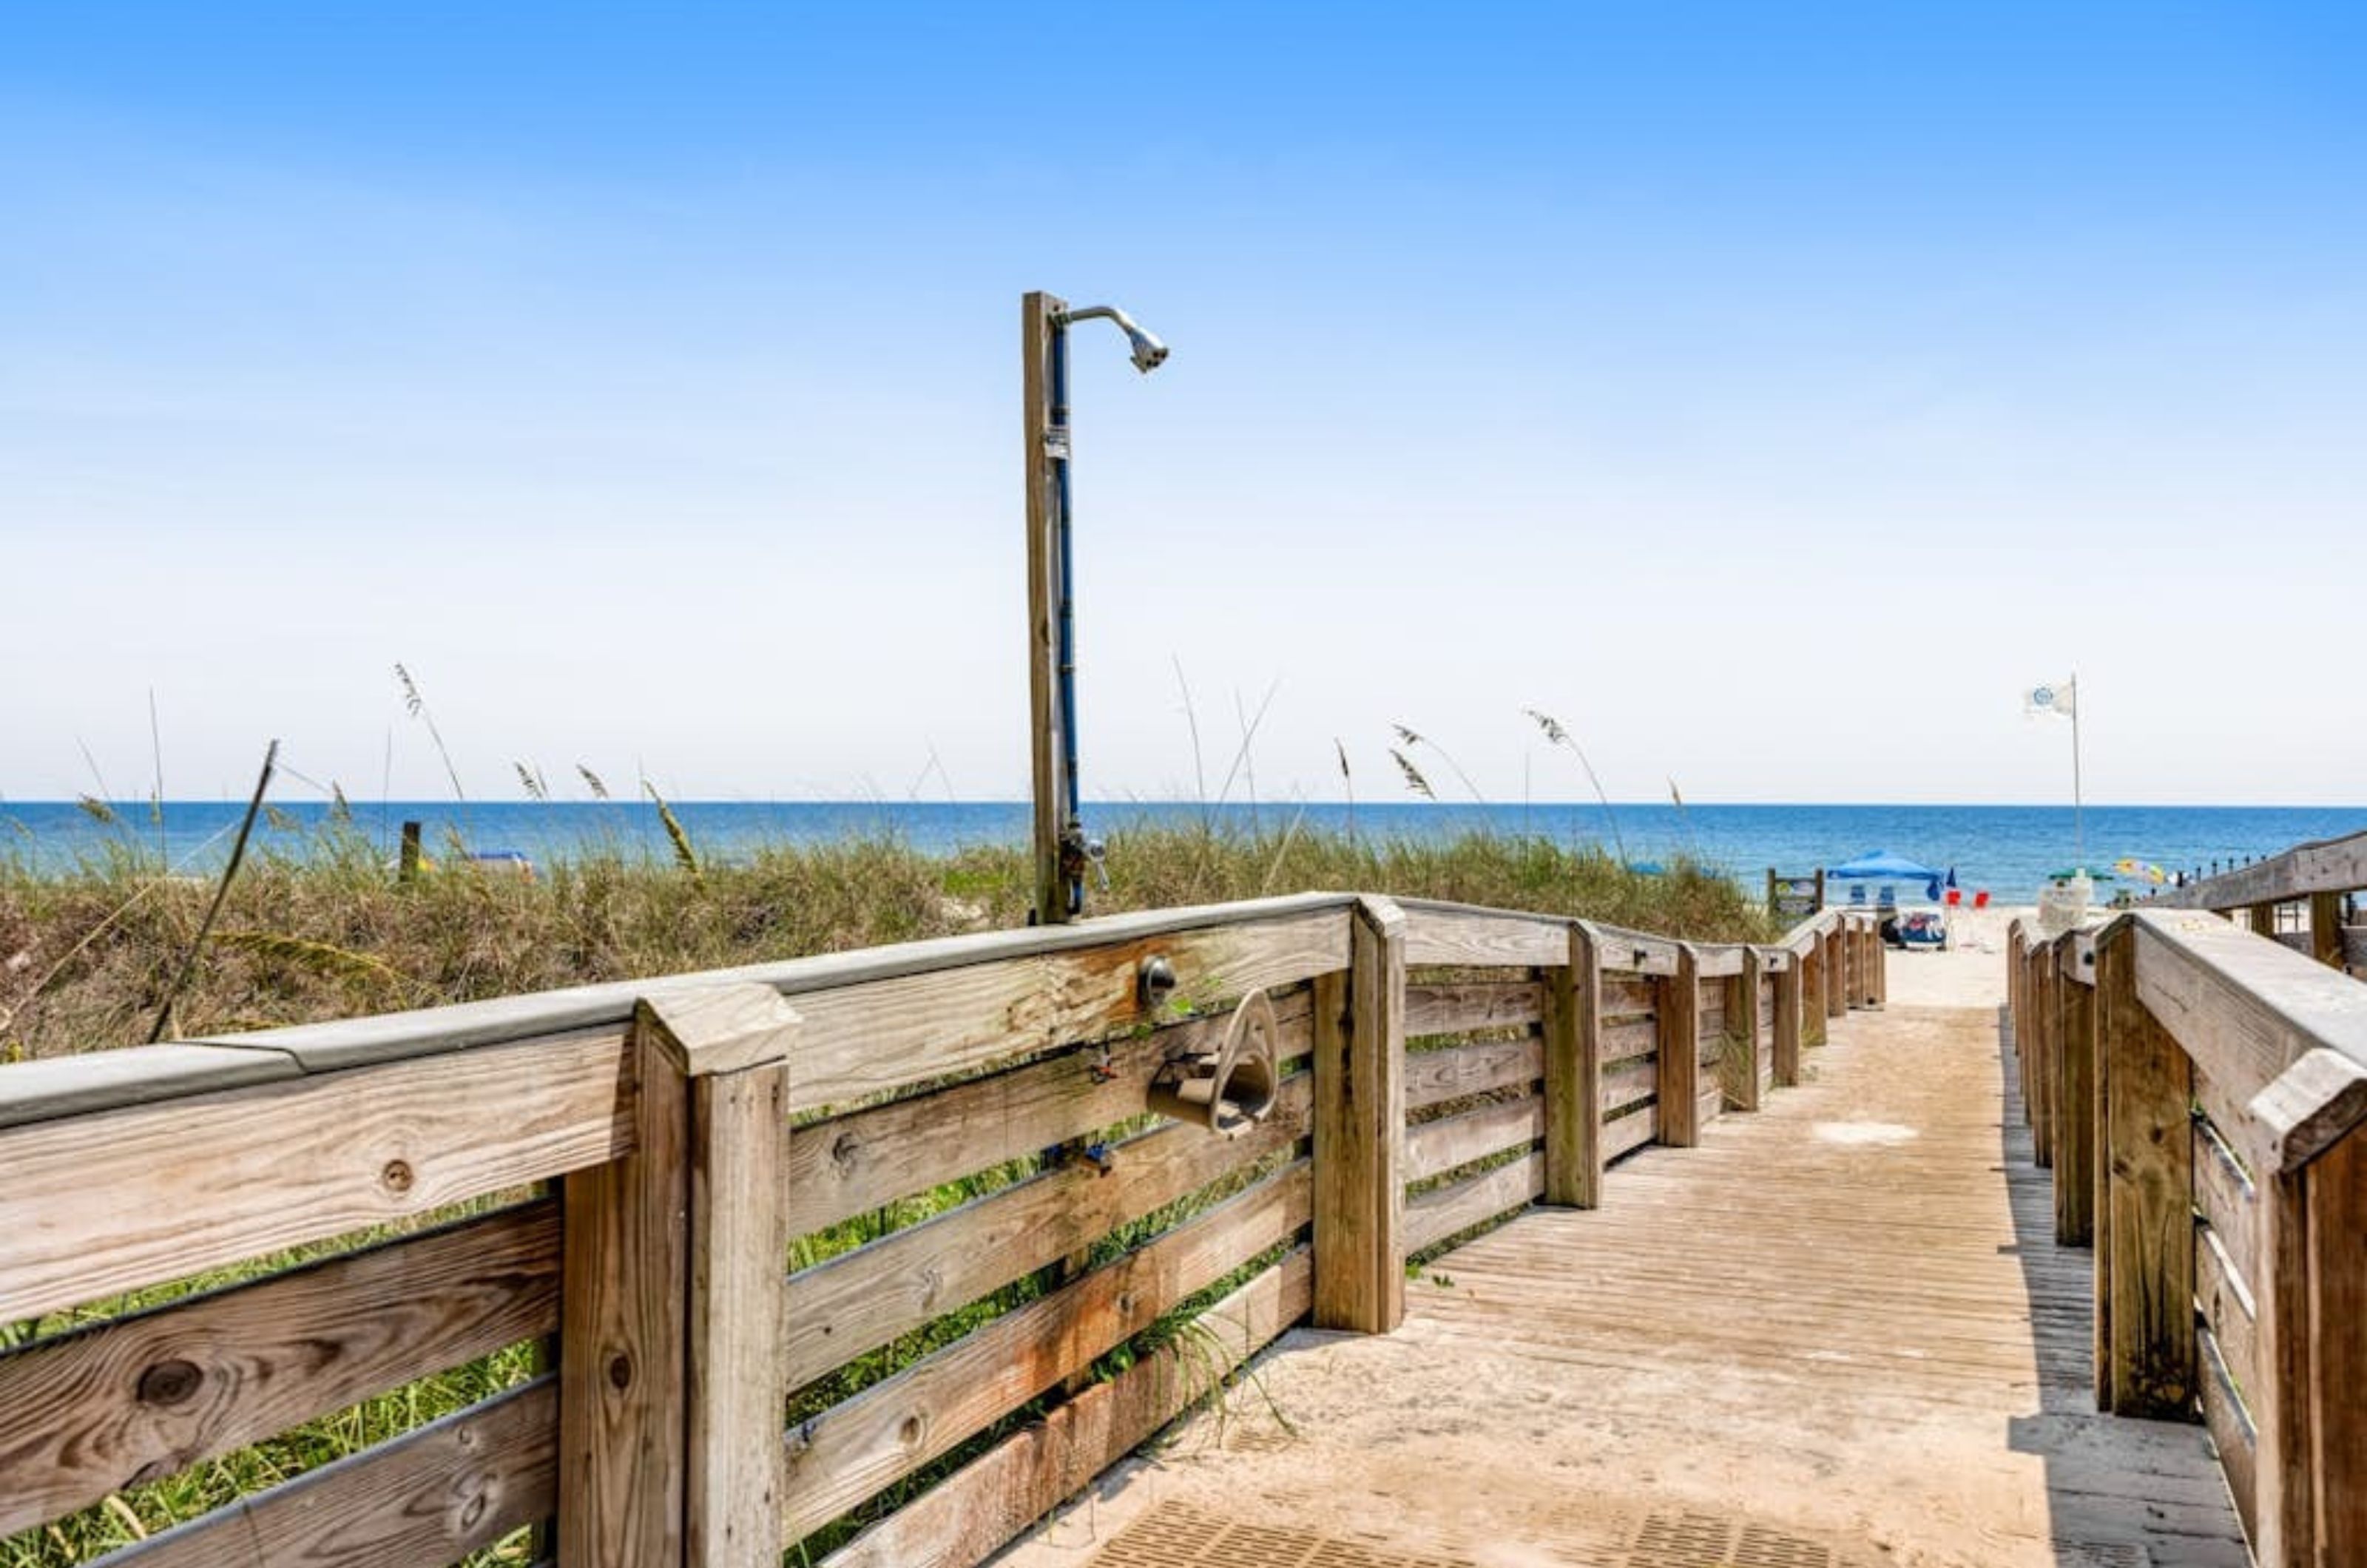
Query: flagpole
[{"x": 2078, "y": 806}]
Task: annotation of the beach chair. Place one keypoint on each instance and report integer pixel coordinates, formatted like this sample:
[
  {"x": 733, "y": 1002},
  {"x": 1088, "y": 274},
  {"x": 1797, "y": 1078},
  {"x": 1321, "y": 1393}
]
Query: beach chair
[
  {"x": 1981, "y": 899},
  {"x": 1889, "y": 897},
  {"x": 1857, "y": 894}
]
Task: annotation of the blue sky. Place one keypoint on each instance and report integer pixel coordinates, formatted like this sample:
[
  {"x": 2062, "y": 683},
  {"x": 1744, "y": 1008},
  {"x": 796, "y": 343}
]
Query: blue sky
[{"x": 1769, "y": 391}]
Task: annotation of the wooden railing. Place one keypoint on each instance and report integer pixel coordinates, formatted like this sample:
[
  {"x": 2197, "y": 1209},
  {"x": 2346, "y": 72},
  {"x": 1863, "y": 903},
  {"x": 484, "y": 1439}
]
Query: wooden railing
[
  {"x": 2321, "y": 878},
  {"x": 2202, "y": 1096},
  {"x": 873, "y": 1237}
]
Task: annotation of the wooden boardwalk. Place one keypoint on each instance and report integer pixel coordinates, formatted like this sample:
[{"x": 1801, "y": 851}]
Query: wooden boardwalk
[{"x": 1839, "y": 1333}]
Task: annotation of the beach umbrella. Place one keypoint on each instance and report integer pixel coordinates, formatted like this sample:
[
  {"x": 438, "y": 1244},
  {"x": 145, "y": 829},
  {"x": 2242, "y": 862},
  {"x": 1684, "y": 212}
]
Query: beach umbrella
[
  {"x": 2069, "y": 871},
  {"x": 2141, "y": 870}
]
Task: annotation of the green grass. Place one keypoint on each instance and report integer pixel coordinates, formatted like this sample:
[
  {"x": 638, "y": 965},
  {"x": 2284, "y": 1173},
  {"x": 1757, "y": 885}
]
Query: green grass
[{"x": 317, "y": 929}]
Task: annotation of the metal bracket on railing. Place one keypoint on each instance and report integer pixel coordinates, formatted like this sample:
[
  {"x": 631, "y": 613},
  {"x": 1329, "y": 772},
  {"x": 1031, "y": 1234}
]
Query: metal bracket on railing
[{"x": 1230, "y": 1089}]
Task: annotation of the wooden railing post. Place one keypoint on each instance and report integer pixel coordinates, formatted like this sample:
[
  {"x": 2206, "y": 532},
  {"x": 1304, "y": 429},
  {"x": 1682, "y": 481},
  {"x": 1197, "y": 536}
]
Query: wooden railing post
[
  {"x": 1573, "y": 1033},
  {"x": 1678, "y": 1010},
  {"x": 2325, "y": 929},
  {"x": 1742, "y": 1029},
  {"x": 2144, "y": 1231},
  {"x": 2042, "y": 1055},
  {"x": 675, "y": 1269},
  {"x": 2075, "y": 1091},
  {"x": 1836, "y": 946},
  {"x": 1789, "y": 1008},
  {"x": 1812, "y": 992},
  {"x": 1359, "y": 1128}
]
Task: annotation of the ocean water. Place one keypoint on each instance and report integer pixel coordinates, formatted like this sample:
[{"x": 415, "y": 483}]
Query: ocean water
[{"x": 2006, "y": 848}]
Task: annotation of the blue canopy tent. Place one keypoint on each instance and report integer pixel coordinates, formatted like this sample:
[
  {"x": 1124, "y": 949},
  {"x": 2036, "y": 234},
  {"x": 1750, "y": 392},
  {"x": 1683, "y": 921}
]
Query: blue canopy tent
[{"x": 1881, "y": 865}]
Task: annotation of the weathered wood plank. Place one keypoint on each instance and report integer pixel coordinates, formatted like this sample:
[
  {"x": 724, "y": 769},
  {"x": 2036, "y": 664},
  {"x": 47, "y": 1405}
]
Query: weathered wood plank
[
  {"x": 1432, "y": 1147},
  {"x": 1627, "y": 1040},
  {"x": 2232, "y": 1432},
  {"x": 431, "y": 1496},
  {"x": 1573, "y": 1101},
  {"x": 1464, "y": 1006},
  {"x": 2074, "y": 1100},
  {"x": 96, "y": 1081},
  {"x": 1433, "y": 1078},
  {"x": 1626, "y": 995},
  {"x": 1360, "y": 1100},
  {"x": 1633, "y": 1083},
  {"x": 873, "y": 1038},
  {"x": 1635, "y": 953},
  {"x": 966, "y": 1517},
  {"x": 1789, "y": 987},
  {"x": 862, "y": 1300},
  {"x": 138, "y": 1398},
  {"x": 739, "y": 1315},
  {"x": 2225, "y": 1197},
  {"x": 1436, "y": 934},
  {"x": 1625, "y": 1134},
  {"x": 1717, "y": 960},
  {"x": 850, "y": 1164},
  {"x": 1679, "y": 1054},
  {"x": 624, "y": 1298},
  {"x": 2148, "y": 1149},
  {"x": 2330, "y": 866},
  {"x": 867, "y": 1443},
  {"x": 1434, "y": 1216},
  {"x": 2337, "y": 1240},
  {"x": 2225, "y": 1305},
  {"x": 96, "y": 1205}
]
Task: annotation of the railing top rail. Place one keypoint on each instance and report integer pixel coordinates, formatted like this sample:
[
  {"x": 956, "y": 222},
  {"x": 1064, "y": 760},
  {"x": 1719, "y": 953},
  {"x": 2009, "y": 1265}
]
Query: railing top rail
[
  {"x": 101, "y": 1080},
  {"x": 2285, "y": 1034},
  {"x": 2328, "y": 865}
]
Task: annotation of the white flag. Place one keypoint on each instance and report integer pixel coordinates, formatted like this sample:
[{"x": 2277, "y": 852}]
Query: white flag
[{"x": 2052, "y": 696}]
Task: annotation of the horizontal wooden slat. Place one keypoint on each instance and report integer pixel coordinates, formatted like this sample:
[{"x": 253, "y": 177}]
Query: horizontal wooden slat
[
  {"x": 2225, "y": 1196},
  {"x": 1433, "y": 1217},
  {"x": 2232, "y": 1432},
  {"x": 966, "y": 1517},
  {"x": 349, "y": 1043},
  {"x": 1626, "y": 1041},
  {"x": 95, "y": 1082},
  {"x": 1631, "y": 1083},
  {"x": 138, "y": 1399},
  {"x": 1630, "y": 1132},
  {"x": 859, "y": 1447},
  {"x": 429, "y": 1496},
  {"x": 95, "y": 1205},
  {"x": 1433, "y": 1078},
  {"x": 862, "y": 1300},
  {"x": 1628, "y": 996},
  {"x": 1635, "y": 952},
  {"x": 1436, "y": 934},
  {"x": 1715, "y": 961},
  {"x": 1461, "y": 1008},
  {"x": 1434, "y": 1147},
  {"x": 850, "y": 1164},
  {"x": 2226, "y": 1304},
  {"x": 860, "y": 1041},
  {"x": 2330, "y": 866}
]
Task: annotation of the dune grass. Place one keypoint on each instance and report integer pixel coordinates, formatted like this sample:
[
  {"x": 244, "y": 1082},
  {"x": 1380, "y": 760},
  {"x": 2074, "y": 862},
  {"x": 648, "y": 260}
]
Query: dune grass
[{"x": 317, "y": 928}]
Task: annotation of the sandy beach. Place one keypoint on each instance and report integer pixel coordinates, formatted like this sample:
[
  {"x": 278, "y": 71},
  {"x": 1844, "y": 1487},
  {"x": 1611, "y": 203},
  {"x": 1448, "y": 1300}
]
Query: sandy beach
[{"x": 1971, "y": 972}]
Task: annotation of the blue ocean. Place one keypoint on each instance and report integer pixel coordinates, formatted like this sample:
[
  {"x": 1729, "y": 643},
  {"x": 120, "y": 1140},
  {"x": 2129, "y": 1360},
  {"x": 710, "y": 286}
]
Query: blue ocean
[{"x": 2006, "y": 848}]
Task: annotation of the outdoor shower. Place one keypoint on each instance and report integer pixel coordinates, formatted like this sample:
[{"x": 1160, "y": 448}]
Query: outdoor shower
[{"x": 1064, "y": 853}]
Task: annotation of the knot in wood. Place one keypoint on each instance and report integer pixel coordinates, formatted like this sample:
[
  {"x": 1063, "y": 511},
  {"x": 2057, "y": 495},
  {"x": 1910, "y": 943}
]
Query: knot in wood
[
  {"x": 171, "y": 1383},
  {"x": 620, "y": 1371},
  {"x": 397, "y": 1177}
]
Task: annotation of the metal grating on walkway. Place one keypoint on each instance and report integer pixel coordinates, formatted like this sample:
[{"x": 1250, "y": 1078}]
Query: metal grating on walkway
[{"x": 1171, "y": 1536}]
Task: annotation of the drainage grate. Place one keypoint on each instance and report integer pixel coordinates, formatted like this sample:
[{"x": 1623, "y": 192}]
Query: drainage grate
[
  {"x": 1171, "y": 1536},
  {"x": 1711, "y": 1541}
]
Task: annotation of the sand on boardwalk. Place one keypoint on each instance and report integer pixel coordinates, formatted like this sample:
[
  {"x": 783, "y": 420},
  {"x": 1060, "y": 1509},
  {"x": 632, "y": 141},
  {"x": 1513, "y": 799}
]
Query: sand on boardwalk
[{"x": 1970, "y": 972}]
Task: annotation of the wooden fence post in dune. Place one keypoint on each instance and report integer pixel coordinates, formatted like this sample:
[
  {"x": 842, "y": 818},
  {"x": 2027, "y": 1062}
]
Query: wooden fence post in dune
[
  {"x": 1790, "y": 981},
  {"x": 2075, "y": 1091},
  {"x": 674, "y": 1279},
  {"x": 2325, "y": 929},
  {"x": 1745, "y": 1042},
  {"x": 1359, "y": 1122},
  {"x": 1678, "y": 1010},
  {"x": 2145, "y": 1255},
  {"x": 1573, "y": 1039}
]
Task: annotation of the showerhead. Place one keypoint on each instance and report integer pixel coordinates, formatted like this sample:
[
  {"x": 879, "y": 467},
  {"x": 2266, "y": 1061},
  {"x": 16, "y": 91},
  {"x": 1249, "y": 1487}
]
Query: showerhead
[{"x": 1149, "y": 353}]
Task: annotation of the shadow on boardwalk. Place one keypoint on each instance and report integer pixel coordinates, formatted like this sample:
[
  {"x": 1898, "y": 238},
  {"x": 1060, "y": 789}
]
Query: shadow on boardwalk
[{"x": 1838, "y": 1333}]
